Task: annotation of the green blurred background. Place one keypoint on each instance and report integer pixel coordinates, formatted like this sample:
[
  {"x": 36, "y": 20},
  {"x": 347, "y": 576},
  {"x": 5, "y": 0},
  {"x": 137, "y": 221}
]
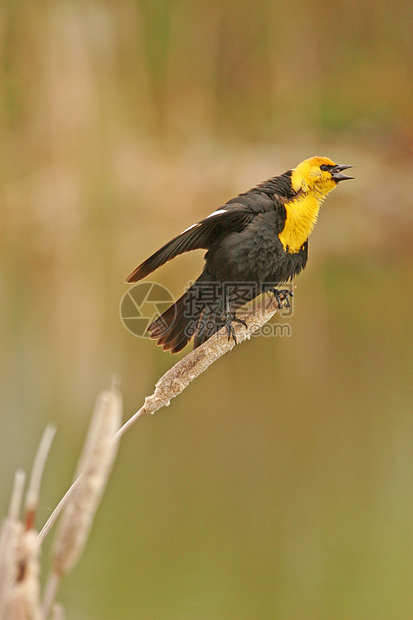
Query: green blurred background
[{"x": 280, "y": 483}]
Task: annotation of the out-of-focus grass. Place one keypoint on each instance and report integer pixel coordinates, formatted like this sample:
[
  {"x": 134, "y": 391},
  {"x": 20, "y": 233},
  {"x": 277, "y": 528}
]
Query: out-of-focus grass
[{"x": 279, "y": 484}]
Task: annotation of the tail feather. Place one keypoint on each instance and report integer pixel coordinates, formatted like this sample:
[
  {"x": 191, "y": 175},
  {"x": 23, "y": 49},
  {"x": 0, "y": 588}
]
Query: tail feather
[
  {"x": 209, "y": 323},
  {"x": 196, "y": 314},
  {"x": 169, "y": 328},
  {"x": 176, "y": 326}
]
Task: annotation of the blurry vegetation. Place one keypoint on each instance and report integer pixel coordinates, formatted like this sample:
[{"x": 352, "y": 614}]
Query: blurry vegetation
[
  {"x": 184, "y": 70},
  {"x": 287, "y": 491}
]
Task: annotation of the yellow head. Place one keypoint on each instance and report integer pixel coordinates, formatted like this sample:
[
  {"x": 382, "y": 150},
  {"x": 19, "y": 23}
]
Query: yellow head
[{"x": 317, "y": 175}]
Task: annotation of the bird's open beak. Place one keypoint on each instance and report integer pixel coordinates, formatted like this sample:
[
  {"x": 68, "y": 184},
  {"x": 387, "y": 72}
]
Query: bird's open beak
[{"x": 336, "y": 173}]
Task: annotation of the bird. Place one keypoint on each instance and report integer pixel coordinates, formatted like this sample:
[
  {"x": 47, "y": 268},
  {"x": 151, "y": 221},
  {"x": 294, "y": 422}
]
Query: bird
[{"x": 254, "y": 242}]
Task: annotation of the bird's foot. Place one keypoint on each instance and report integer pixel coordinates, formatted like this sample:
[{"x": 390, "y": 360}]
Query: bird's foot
[
  {"x": 282, "y": 297},
  {"x": 229, "y": 319}
]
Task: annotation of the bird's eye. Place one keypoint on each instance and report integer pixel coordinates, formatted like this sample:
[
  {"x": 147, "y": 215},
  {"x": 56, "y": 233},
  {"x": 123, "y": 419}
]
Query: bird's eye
[{"x": 324, "y": 167}]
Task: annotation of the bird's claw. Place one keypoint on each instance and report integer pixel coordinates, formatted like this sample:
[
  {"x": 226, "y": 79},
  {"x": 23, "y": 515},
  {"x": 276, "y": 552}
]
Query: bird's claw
[
  {"x": 229, "y": 319},
  {"x": 282, "y": 297}
]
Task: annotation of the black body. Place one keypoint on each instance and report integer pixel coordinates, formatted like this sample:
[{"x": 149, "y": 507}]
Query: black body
[{"x": 244, "y": 258}]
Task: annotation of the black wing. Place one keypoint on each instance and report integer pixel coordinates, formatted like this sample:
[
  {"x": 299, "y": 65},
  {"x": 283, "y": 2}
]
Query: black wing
[{"x": 200, "y": 235}]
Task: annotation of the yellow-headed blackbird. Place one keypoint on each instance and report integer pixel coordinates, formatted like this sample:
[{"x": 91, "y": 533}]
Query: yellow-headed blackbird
[{"x": 255, "y": 242}]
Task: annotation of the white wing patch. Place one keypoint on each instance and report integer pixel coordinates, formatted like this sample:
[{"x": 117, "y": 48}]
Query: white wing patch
[
  {"x": 189, "y": 228},
  {"x": 218, "y": 212}
]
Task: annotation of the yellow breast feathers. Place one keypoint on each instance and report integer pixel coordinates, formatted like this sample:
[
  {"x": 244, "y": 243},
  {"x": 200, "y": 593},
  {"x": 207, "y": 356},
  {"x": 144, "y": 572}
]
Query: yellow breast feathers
[{"x": 302, "y": 213}]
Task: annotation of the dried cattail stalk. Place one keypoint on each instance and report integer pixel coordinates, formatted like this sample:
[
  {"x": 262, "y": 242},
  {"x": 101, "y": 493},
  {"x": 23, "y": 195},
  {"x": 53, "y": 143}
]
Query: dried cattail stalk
[
  {"x": 32, "y": 496},
  {"x": 24, "y": 599},
  {"x": 11, "y": 531},
  {"x": 95, "y": 465},
  {"x": 175, "y": 380},
  {"x": 92, "y": 473},
  {"x": 17, "y": 494},
  {"x": 57, "y": 511}
]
